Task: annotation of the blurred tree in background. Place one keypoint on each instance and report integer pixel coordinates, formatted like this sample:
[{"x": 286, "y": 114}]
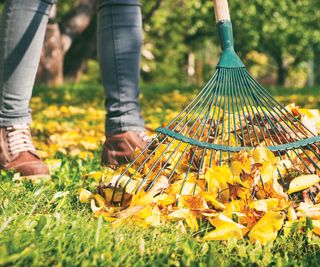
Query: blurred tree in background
[
  {"x": 286, "y": 31},
  {"x": 278, "y": 40}
]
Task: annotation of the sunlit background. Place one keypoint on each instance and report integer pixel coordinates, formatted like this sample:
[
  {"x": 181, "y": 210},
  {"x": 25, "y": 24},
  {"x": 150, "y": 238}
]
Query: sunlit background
[{"x": 278, "y": 40}]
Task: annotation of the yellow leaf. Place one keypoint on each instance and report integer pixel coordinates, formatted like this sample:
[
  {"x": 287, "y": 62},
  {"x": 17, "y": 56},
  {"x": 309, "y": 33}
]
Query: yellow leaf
[
  {"x": 160, "y": 184},
  {"x": 218, "y": 178},
  {"x": 142, "y": 198},
  {"x": 186, "y": 214},
  {"x": 310, "y": 113},
  {"x": 277, "y": 188},
  {"x": 127, "y": 213},
  {"x": 226, "y": 231},
  {"x": 145, "y": 212},
  {"x": 267, "y": 171},
  {"x": 316, "y": 227},
  {"x": 267, "y": 228},
  {"x": 212, "y": 182},
  {"x": 84, "y": 195},
  {"x": 188, "y": 188},
  {"x": 100, "y": 200},
  {"x": 117, "y": 195},
  {"x": 131, "y": 211},
  {"x": 292, "y": 215},
  {"x": 303, "y": 182},
  {"x": 191, "y": 220},
  {"x": 179, "y": 214},
  {"x": 127, "y": 183},
  {"x": 209, "y": 197},
  {"x": 246, "y": 165},
  {"x": 221, "y": 219},
  {"x": 164, "y": 199},
  {"x": 265, "y": 204},
  {"x": 195, "y": 202},
  {"x": 236, "y": 168},
  {"x": 262, "y": 155},
  {"x": 95, "y": 175},
  {"x": 153, "y": 220},
  {"x": 308, "y": 210}
]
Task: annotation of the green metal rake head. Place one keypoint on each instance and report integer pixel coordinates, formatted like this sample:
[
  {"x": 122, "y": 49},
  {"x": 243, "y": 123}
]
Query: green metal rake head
[{"x": 232, "y": 113}]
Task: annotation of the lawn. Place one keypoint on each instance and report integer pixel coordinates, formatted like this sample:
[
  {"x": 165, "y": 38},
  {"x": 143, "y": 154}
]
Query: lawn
[{"x": 45, "y": 225}]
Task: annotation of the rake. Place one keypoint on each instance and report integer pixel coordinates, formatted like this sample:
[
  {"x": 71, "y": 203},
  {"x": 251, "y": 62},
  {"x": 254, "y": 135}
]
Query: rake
[{"x": 232, "y": 113}]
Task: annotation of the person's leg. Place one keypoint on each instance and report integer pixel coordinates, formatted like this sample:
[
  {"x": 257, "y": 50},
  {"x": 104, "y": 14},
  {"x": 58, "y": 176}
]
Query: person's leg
[
  {"x": 22, "y": 29},
  {"x": 119, "y": 52},
  {"x": 23, "y": 24}
]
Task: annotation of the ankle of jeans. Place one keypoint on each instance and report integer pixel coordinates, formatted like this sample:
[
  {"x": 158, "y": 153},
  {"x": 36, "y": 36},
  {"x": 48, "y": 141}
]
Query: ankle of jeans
[
  {"x": 111, "y": 131},
  {"x": 5, "y": 122}
]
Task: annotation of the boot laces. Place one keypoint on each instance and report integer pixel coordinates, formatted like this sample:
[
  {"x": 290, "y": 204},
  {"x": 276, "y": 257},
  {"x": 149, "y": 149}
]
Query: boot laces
[{"x": 19, "y": 139}]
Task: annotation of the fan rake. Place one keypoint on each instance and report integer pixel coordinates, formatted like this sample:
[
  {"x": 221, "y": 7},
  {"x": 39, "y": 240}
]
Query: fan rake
[{"x": 232, "y": 113}]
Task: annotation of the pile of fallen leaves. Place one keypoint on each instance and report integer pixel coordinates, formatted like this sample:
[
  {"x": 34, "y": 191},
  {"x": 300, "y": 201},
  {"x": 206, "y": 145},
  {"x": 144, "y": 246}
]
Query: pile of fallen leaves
[{"x": 243, "y": 198}]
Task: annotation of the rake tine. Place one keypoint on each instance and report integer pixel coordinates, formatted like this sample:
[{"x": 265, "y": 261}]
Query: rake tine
[
  {"x": 269, "y": 97},
  {"x": 276, "y": 129},
  {"x": 141, "y": 184},
  {"x": 207, "y": 91},
  {"x": 268, "y": 132},
  {"x": 284, "y": 137}
]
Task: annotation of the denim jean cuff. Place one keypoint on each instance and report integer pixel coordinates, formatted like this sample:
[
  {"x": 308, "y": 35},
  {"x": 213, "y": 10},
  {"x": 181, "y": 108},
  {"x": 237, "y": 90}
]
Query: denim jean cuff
[
  {"x": 5, "y": 122},
  {"x": 124, "y": 123},
  {"x": 110, "y": 131}
]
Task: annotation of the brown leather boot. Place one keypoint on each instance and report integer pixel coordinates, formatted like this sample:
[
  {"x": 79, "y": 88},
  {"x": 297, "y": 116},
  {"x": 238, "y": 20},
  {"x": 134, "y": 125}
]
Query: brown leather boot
[
  {"x": 18, "y": 153},
  {"x": 118, "y": 148}
]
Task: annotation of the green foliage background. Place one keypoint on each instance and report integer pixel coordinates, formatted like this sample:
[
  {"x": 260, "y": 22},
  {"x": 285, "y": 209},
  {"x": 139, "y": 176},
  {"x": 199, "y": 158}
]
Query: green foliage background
[{"x": 287, "y": 32}]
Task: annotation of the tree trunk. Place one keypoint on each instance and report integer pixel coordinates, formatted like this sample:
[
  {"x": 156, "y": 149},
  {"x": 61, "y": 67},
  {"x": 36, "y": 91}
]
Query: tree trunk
[
  {"x": 82, "y": 49},
  {"x": 50, "y": 69},
  {"x": 282, "y": 74},
  {"x": 59, "y": 39},
  {"x": 282, "y": 71},
  {"x": 77, "y": 21}
]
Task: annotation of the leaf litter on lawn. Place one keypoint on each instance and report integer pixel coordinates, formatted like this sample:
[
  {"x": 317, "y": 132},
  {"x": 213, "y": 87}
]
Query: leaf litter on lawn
[
  {"x": 246, "y": 192},
  {"x": 241, "y": 199}
]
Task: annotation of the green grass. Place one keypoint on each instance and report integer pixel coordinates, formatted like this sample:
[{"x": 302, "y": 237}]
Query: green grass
[{"x": 45, "y": 225}]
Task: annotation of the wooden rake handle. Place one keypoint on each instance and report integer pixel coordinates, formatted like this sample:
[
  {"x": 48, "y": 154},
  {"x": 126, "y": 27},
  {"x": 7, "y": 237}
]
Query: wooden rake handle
[{"x": 221, "y": 10}]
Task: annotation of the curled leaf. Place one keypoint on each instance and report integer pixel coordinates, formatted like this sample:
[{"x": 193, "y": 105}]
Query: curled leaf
[
  {"x": 303, "y": 182},
  {"x": 84, "y": 195}
]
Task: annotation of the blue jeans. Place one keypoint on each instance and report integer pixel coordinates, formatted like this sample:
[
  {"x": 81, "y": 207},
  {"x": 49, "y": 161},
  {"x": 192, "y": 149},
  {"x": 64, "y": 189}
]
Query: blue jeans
[{"x": 22, "y": 30}]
